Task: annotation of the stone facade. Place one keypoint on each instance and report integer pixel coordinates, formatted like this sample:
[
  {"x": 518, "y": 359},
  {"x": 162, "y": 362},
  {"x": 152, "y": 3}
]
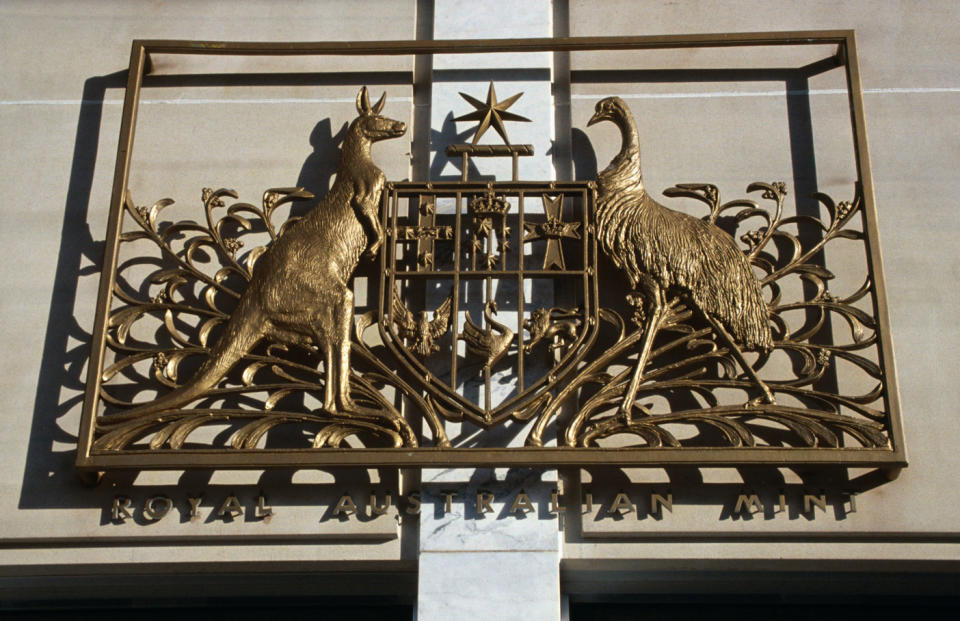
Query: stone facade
[{"x": 63, "y": 72}]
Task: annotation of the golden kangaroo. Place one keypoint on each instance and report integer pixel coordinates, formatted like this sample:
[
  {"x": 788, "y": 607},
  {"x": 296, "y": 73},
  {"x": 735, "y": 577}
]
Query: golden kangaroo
[{"x": 300, "y": 291}]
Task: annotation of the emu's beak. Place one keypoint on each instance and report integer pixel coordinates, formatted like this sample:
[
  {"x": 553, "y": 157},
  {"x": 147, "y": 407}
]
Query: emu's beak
[{"x": 596, "y": 118}]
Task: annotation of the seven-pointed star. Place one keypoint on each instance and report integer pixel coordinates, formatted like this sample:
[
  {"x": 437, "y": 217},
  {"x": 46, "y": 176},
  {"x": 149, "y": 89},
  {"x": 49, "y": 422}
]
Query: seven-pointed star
[{"x": 491, "y": 113}]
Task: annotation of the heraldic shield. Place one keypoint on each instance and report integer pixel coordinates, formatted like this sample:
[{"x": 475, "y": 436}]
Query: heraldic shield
[{"x": 489, "y": 294}]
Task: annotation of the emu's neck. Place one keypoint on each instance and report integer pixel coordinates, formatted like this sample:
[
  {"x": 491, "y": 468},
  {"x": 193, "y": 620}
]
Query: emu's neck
[
  {"x": 628, "y": 130},
  {"x": 624, "y": 170}
]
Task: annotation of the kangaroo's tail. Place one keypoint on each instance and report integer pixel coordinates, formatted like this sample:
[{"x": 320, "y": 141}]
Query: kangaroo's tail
[{"x": 242, "y": 332}]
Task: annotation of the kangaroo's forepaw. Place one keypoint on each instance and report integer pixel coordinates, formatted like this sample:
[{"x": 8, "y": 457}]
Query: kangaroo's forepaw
[{"x": 373, "y": 249}]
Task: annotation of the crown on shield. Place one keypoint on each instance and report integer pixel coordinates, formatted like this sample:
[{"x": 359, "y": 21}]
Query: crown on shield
[{"x": 489, "y": 205}]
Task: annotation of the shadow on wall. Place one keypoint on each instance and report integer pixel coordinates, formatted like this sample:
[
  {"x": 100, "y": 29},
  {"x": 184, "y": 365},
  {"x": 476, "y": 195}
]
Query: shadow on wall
[
  {"x": 48, "y": 478},
  {"x": 448, "y": 135}
]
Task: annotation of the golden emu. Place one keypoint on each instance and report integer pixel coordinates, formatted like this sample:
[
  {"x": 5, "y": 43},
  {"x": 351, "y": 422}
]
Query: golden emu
[{"x": 661, "y": 249}]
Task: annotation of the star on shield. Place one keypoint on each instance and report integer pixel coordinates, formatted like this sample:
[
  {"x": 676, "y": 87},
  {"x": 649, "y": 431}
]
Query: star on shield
[{"x": 491, "y": 113}]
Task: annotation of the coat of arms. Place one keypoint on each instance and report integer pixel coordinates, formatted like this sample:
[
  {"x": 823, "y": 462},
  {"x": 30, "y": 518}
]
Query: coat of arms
[
  {"x": 488, "y": 260},
  {"x": 586, "y": 319}
]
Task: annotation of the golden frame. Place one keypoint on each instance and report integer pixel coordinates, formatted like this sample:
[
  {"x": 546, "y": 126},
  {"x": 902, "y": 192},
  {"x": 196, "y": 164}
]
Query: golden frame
[{"x": 888, "y": 459}]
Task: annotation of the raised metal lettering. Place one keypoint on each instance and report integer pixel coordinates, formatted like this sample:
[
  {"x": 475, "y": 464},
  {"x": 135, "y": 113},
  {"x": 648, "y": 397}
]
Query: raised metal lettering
[{"x": 156, "y": 507}]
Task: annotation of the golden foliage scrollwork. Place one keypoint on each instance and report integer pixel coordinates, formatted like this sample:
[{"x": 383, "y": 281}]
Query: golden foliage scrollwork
[
  {"x": 270, "y": 384},
  {"x": 688, "y": 365}
]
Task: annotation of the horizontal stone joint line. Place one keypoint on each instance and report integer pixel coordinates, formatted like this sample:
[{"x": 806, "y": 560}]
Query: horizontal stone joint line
[{"x": 312, "y": 100}]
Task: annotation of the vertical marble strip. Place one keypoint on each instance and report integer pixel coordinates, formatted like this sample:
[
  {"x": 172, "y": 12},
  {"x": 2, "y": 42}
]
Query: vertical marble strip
[{"x": 481, "y": 553}]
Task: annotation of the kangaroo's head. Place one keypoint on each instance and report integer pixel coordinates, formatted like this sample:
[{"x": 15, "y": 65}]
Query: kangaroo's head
[{"x": 370, "y": 124}]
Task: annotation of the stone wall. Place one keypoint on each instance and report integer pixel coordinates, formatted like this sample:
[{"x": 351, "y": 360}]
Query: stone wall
[{"x": 63, "y": 70}]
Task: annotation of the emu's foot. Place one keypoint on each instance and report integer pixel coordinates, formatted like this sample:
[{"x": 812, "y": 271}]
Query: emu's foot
[
  {"x": 614, "y": 424},
  {"x": 764, "y": 399},
  {"x": 625, "y": 413}
]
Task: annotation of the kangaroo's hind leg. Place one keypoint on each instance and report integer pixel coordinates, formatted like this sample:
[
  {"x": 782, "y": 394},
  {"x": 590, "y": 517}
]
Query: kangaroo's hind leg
[
  {"x": 329, "y": 383},
  {"x": 341, "y": 345}
]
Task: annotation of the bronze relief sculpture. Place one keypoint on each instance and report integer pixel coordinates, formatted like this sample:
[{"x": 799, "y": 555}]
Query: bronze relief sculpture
[
  {"x": 661, "y": 249},
  {"x": 492, "y": 309},
  {"x": 422, "y": 332},
  {"x": 300, "y": 290}
]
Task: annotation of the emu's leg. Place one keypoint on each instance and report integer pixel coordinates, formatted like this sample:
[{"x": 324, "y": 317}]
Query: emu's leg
[
  {"x": 655, "y": 298},
  {"x": 735, "y": 350}
]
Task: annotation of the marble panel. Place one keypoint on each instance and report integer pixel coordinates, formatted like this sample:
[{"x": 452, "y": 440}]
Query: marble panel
[
  {"x": 513, "y": 586},
  {"x": 490, "y": 512}
]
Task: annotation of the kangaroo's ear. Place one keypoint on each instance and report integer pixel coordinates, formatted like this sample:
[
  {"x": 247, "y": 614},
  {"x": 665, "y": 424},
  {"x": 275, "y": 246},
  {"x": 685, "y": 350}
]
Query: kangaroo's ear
[
  {"x": 363, "y": 101},
  {"x": 379, "y": 105}
]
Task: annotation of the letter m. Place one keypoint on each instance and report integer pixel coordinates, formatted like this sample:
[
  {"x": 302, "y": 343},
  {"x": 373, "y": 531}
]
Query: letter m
[{"x": 751, "y": 503}]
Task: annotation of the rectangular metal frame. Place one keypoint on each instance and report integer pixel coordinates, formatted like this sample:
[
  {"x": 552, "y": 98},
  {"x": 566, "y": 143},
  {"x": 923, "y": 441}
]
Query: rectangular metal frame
[{"x": 88, "y": 461}]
